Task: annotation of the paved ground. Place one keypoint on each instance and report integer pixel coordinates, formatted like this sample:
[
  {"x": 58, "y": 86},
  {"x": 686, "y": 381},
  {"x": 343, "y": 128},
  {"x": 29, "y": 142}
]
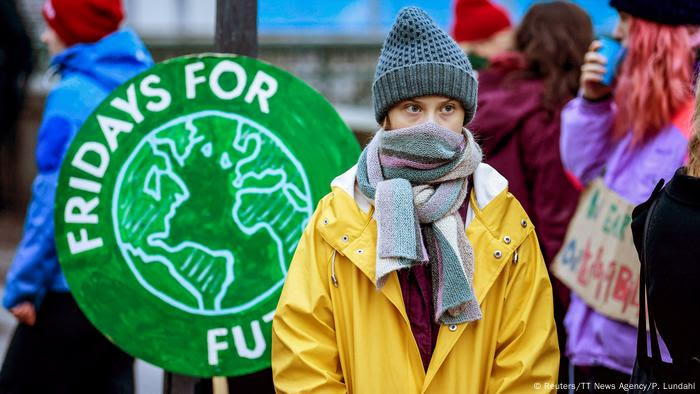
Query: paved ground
[{"x": 149, "y": 379}]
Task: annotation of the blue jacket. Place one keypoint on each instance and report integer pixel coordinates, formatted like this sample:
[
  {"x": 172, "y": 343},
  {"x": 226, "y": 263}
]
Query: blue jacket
[{"x": 89, "y": 72}]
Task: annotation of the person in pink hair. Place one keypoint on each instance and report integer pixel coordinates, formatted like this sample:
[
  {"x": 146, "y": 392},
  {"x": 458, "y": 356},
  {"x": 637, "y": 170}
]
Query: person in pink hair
[{"x": 632, "y": 134}]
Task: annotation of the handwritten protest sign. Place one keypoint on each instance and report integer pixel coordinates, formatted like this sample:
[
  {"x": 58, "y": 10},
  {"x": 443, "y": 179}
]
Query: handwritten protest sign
[{"x": 598, "y": 260}]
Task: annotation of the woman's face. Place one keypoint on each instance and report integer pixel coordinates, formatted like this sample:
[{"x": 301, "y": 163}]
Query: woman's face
[
  {"x": 446, "y": 112},
  {"x": 500, "y": 42},
  {"x": 622, "y": 29},
  {"x": 52, "y": 42}
]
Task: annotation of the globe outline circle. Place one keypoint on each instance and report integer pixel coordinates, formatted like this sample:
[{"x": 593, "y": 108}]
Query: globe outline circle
[{"x": 115, "y": 215}]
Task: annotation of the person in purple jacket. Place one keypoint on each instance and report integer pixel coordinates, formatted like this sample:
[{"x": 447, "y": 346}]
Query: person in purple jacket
[{"x": 631, "y": 134}]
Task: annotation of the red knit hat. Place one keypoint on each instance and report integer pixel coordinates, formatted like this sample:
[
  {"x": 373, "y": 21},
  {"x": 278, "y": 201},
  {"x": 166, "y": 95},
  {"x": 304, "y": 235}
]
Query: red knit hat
[
  {"x": 76, "y": 21},
  {"x": 476, "y": 20}
]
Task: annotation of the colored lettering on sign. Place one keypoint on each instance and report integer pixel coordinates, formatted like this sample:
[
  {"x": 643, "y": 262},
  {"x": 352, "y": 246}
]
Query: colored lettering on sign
[
  {"x": 593, "y": 205},
  {"x": 571, "y": 256},
  {"x": 616, "y": 223},
  {"x": 598, "y": 260},
  {"x": 607, "y": 279},
  {"x": 627, "y": 288}
]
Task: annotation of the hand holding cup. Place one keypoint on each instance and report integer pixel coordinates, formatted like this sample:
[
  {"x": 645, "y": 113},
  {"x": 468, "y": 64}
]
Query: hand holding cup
[{"x": 593, "y": 71}]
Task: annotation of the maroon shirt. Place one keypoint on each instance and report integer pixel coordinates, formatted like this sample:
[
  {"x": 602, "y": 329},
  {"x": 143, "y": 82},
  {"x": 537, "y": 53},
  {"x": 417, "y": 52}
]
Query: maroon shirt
[{"x": 417, "y": 291}]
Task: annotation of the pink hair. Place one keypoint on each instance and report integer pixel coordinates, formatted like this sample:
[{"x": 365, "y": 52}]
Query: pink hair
[
  {"x": 655, "y": 79},
  {"x": 694, "y": 143}
]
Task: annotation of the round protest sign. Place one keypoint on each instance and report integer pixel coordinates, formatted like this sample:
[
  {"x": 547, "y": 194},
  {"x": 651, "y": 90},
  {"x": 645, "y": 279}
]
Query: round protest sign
[{"x": 180, "y": 204}]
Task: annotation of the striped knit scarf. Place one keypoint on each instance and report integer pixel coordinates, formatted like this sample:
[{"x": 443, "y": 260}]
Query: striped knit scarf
[{"x": 417, "y": 177}]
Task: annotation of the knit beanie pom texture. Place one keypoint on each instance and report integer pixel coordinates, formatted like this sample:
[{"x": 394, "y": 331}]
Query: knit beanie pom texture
[{"x": 420, "y": 59}]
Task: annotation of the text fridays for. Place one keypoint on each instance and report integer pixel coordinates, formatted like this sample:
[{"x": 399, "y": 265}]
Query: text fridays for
[{"x": 154, "y": 98}]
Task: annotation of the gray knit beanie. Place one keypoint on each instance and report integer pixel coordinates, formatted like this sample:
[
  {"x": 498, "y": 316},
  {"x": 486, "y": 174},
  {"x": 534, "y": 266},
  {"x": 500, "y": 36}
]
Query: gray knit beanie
[{"x": 420, "y": 59}]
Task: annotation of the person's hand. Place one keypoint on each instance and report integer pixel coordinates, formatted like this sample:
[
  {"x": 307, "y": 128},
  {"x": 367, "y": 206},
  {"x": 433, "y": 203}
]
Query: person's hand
[
  {"x": 25, "y": 313},
  {"x": 592, "y": 72}
]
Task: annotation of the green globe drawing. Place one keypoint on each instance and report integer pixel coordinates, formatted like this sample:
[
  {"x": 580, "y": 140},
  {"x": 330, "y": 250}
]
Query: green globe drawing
[{"x": 191, "y": 235}]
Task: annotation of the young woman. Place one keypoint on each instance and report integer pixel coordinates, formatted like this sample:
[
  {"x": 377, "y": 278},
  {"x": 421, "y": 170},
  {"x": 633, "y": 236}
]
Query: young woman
[
  {"x": 387, "y": 292},
  {"x": 631, "y": 135}
]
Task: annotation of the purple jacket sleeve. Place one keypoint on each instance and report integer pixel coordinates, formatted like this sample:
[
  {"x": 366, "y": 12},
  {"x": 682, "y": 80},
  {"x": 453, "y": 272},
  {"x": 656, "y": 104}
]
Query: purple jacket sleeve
[{"x": 585, "y": 137}]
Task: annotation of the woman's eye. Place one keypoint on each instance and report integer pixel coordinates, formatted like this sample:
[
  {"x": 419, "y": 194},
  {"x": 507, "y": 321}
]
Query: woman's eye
[
  {"x": 448, "y": 108},
  {"x": 413, "y": 109}
]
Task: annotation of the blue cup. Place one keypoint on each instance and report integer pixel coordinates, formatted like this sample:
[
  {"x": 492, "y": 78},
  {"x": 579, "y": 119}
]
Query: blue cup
[{"x": 614, "y": 52}]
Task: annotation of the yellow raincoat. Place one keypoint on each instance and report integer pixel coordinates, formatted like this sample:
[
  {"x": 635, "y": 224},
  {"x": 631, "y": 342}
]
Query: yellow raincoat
[{"x": 334, "y": 332}]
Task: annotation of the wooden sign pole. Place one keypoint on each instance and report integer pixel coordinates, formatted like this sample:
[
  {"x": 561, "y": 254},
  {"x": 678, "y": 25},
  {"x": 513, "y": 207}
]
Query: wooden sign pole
[
  {"x": 237, "y": 27},
  {"x": 236, "y": 32}
]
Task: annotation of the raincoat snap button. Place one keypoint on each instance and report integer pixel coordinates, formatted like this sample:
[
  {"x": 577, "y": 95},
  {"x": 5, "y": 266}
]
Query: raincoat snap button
[
  {"x": 360, "y": 251},
  {"x": 497, "y": 254},
  {"x": 506, "y": 239},
  {"x": 523, "y": 223},
  {"x": 453, "y": 327},
  {"x": 345, "y": 238},
  {"x": 325, "y": 221}
]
